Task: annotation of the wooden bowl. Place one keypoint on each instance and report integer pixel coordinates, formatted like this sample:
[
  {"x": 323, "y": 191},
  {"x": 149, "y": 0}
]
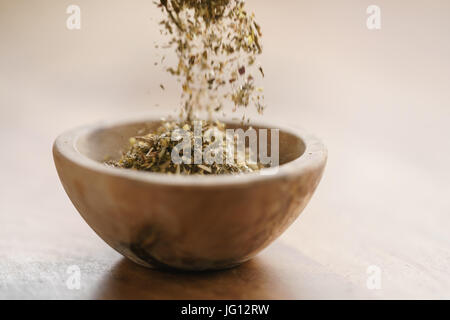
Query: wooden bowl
[{"x": 185, "y": 222}]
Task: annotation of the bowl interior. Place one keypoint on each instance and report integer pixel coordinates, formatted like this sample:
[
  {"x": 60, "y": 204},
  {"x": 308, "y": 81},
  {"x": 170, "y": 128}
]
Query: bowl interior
[{"x": 108, "y": 143}]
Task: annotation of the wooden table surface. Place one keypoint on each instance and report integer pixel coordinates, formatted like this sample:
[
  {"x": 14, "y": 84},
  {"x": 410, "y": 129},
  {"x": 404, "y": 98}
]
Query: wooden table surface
[{"x": 380, "y": 100}]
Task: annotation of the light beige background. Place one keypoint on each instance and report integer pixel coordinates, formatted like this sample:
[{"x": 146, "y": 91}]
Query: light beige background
[{"x": 380, "y": 100}]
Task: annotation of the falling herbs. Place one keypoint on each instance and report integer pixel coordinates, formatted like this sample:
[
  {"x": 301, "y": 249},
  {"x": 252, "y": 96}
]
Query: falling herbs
[{"x": 216, "y": 43}]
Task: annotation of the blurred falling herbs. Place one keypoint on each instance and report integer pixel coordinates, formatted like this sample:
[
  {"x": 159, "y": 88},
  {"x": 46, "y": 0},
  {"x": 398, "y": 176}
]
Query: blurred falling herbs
[{"x": 217, "y": 43}]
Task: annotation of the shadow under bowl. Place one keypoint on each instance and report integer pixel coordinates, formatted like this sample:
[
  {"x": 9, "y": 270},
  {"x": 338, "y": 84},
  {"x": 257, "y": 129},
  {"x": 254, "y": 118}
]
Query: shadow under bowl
[{"x": 185, "y": 222}]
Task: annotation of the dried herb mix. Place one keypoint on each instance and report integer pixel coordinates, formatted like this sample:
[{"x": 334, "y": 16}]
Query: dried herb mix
[
  {"x": 216, "y": 43},
  {"x": 154, "y": 152}
]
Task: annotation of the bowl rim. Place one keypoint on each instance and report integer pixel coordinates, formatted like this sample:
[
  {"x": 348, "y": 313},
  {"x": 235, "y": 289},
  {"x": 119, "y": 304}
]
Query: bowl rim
[{"x": 315, "y": 155}]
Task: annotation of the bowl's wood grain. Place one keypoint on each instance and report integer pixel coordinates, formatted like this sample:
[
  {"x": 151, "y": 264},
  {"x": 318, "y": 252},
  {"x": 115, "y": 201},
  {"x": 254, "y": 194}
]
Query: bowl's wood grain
[{"x": 190, "y": 223}]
